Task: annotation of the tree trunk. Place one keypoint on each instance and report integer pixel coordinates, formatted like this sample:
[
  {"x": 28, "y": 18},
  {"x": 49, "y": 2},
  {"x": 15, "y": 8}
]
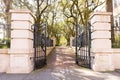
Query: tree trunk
[
  {"x": 109, "y": 8},
  {"x": 7, "y": 18}
]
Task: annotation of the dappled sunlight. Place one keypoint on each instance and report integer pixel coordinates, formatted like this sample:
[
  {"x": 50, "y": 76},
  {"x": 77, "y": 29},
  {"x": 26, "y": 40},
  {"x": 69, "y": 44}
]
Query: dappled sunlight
[
  {"x": 63, "y": 67},
  {"x": 112, "y": 77},
  {"x": 87, "y": 72},
  {"x": 61, "y": 59},
  {"x": 70, "y": 74}
]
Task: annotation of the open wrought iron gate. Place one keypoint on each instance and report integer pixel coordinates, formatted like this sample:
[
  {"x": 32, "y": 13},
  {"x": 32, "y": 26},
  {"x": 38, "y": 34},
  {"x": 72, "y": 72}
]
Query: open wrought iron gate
[
  {"x": 83, "y": 44},
  {"x": 39, "y": 46}
]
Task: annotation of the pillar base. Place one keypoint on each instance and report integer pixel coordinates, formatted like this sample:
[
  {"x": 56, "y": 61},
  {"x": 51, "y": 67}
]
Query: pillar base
[
  {"x": 103, "y": 62},
  {"x": 21, "y": 63}
]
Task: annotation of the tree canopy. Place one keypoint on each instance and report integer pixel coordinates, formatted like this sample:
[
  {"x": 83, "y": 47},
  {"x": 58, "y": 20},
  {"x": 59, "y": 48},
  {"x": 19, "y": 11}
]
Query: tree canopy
[{"x": 60, "y": 15}]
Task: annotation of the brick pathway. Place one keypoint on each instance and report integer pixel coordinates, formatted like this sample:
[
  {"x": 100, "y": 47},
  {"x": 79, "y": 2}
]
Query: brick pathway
[{"x": 61, "y": 66}]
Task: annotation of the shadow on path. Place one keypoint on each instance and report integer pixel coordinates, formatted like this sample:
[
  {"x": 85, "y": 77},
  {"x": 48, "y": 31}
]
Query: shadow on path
[
  {"x": 61, "y": 66},
  {"x": 61, "y": 57}
]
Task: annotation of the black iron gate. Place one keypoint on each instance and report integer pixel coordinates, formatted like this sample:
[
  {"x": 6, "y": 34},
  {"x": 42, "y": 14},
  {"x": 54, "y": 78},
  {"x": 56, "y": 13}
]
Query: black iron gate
[
  {"x": 82, "y": 45},
  {"x": 39, "y": 46}
]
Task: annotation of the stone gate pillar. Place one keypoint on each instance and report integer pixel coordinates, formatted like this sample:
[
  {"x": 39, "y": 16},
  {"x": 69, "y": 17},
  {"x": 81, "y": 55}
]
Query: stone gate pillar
[
  {"x": 21, "y": 49},
  {"x": 101, "y": 41}
]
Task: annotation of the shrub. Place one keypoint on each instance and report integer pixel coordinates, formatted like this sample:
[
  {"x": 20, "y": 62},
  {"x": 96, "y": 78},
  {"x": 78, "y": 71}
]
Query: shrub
[
  {"x": 5, "y": 43},
  {"x": 116, "y": 43}
]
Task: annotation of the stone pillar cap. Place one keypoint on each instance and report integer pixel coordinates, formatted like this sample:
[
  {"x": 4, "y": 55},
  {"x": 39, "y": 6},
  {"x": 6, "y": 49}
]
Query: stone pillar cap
[
  {"x": 100, "y": 13},
  {"x": 21, "y": 11}
]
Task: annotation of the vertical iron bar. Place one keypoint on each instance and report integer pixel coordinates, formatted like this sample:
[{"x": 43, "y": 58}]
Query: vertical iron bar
[
  {"x": 36, "y": 35},
  {"x": 45, "y": 42},
  {"x": 89, "y": 44},
  {"x": 76, "y": 43},
  {"x": 85, "y": 47},
  {"x": 34, "y": 47}
]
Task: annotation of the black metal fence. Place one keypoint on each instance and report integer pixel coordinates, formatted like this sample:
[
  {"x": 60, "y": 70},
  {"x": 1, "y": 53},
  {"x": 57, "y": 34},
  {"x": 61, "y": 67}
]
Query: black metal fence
[
  {"x": 41, "y": 41},
  {"x": 39, "y": 48},
  {"x": 82, "y": 42},
  {"x": 49, "y": 42},
  {"x": 116, "y": 37}
]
